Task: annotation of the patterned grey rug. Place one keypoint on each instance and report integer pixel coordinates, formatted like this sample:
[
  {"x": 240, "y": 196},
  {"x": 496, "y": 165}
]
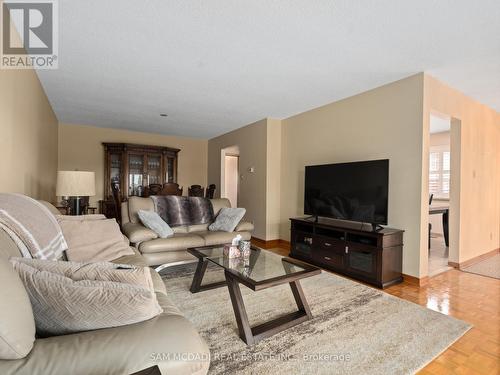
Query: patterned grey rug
[
  {"x": 489, "y": 267},
  {"x": 355, "y": 330}
]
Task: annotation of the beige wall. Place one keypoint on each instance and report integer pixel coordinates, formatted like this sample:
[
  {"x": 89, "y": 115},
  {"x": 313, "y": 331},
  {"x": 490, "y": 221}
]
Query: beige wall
[
  {"x": 80, "y": 147},
  {"x": 440, "y": 139},
  {"x": 382, "y": 123},
  {"x": 273, "y": 179},
  {"x": 478, "y": 193},
  {"x": 28, "y": 141},
  {"x": 251, "y": 143}
]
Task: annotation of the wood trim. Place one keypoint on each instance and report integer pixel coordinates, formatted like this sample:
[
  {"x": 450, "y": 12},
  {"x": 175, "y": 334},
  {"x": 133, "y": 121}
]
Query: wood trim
[
  {"x": 474, "y": 260},
  {"x": 263, "y": 244},
  {"x": 423, "y": 281}
]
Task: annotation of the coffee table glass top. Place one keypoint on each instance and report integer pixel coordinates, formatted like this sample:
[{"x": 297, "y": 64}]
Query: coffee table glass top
[{"x": 260, "y": 266}]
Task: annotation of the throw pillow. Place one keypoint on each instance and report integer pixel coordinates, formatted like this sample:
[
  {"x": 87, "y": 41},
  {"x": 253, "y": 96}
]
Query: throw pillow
[
  {"x": 153, "y": 221},
  {"x": 103, "y": 271},
  {"x": 94, "y": 240},
  {"x": 62, "y": 305},
  {"x": 227, "y": 219}
]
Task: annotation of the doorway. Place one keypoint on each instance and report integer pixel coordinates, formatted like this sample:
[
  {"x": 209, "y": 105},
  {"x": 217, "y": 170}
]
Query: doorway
[
  {"x": 230, "y": 174},
  {"x": 440, "y": 170}
]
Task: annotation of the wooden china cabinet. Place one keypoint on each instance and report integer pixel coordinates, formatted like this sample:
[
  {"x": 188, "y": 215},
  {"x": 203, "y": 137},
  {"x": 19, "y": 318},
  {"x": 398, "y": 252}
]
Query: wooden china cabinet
[{"x": 135, "y": 167}]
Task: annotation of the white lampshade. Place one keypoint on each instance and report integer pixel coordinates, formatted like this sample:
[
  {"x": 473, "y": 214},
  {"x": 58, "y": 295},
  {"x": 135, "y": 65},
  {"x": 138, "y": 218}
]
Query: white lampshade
[{"x": 75, "y": 184}]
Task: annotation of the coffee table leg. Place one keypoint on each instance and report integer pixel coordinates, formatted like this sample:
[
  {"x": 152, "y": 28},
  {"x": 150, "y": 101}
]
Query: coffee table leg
[
  {"x": 198, "y": 275},
  {"x": 239, "y": 310},
  {"x": 300, "y": 298}
]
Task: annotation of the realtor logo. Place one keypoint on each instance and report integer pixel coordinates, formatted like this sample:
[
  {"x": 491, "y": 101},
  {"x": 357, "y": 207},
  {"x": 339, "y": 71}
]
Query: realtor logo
[{"x": 29, "y": 34}]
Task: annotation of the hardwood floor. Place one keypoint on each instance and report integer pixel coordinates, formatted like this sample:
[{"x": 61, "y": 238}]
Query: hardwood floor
[{"x": 472, "y": 298}]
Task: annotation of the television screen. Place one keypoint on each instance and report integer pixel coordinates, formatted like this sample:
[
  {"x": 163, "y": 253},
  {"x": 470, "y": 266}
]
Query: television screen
[{"x": 356, "y": 191}]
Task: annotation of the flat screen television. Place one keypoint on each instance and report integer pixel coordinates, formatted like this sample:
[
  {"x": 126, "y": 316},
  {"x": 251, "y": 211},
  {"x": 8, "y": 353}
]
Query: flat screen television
[{"x": 356, "y": 191}]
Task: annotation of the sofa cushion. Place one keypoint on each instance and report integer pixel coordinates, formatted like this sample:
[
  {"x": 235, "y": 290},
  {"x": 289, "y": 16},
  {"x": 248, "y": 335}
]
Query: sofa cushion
[
  {"x": 137, "y": 233},
  {"x": 138, "y": 203},
  {"x": 94, "y": 240},
  {"x": 198, "y": 228},
  {"x": 227, "y": 219},
  {"x": 168, "y": 257},
  {"x": 62, "y": 305},
  {"x": 154, "y": 222},
  {"x": 177, "y": 242},
  {"x": 181, "y": 229},
  {"x": 135, "y": 259},
  {"x": 221, "y": 238},
  {"x": 17, "y": 324},
  {"x": 244, "y": 226},
  {"x": 219, "y": 203}
]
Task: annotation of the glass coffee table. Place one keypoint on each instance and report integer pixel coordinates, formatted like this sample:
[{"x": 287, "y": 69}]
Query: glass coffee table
[{"x": 262, "y": 270}]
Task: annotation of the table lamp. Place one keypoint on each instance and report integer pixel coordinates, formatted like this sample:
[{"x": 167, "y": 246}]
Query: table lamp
[{"x": 75, "y": 185}]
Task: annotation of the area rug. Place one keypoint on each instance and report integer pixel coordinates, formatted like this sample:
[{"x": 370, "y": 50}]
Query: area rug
[
  {"x": 489, "y": 267},
  {"x": 355, "y": 329}
]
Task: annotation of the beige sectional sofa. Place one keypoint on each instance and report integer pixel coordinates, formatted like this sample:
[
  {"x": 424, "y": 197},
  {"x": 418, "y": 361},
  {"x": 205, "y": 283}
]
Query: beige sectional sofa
[
  {"x": 157, "y": 251},
  {"x": 168, "y": 340}
]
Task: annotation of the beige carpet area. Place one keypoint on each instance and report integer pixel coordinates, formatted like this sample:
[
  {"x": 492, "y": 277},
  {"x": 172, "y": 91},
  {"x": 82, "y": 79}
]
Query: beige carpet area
[
  {"x": 489, "y": 267},
  {"x": 355, "y": 330}
]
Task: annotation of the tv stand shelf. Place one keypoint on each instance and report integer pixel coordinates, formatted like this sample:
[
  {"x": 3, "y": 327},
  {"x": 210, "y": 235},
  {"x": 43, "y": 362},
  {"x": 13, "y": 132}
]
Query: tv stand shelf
[{"x": 351, "y": 249}]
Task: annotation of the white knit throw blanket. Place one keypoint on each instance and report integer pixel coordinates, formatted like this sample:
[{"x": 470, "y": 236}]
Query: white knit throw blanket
[{"x": 33, "y": 224}]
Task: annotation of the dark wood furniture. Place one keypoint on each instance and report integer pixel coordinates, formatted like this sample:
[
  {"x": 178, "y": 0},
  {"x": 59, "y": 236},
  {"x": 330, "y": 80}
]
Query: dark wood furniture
[
  {"x": 152, "y": 189},
  {"x": 445, "y": 211},
  {"x": 261, "y": 270},
  {"x": 170, "y": 188},
  {"x": 117, "y": 200},
  {"x": 196, "y": 191},
  {"x": 135, "y": 167},
  {"x": 155, "y": 370},
  {"x": 203, "y": 253},
  {"x": 64, "y": 210},
  {"x": 210, "y": 191},
  {"x": 351, "y": 249},
  {"x": 64, "y": 207}
]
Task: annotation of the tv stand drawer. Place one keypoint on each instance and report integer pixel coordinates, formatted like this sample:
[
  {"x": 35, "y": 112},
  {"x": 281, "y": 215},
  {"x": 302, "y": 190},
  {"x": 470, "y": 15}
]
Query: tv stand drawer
[{"x": 330, "y": 257}]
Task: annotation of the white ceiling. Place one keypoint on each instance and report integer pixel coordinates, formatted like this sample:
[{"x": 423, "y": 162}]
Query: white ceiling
[
  {"x": 439, "y": 124},
  {"x": 214, "y": 66}
]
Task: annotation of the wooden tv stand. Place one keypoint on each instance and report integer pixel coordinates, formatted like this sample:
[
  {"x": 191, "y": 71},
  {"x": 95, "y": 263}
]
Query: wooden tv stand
[{"x": 351, "y": 249}]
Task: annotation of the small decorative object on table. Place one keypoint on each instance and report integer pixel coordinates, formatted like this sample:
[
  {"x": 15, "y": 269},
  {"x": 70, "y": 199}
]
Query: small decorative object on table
[
  {"x": 232, "y": 251},
  {"x": 245, "y": 248}
]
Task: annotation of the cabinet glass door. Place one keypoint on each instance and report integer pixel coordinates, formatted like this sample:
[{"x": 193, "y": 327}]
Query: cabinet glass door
[
  {"x": 135, "y": 174},
  {"x": 303, "y": 243},
  {"x": 170, "y": 170},
  {"x": 154, "y": 169},
  {"x": 115, "y": 168},
  {"x": 362, "y": 261}
]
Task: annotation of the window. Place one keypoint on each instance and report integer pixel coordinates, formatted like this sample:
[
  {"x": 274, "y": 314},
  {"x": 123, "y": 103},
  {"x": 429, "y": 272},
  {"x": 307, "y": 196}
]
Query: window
[{"x": 439, "y": 171}]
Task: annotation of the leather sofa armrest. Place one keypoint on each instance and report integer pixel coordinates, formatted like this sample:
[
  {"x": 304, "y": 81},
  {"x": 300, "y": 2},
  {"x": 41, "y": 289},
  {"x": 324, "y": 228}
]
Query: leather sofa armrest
[
  {"x": 119, "y": 350},
  {"x": 138, "y": 233},
  {"x": 244, "y": 226}
]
